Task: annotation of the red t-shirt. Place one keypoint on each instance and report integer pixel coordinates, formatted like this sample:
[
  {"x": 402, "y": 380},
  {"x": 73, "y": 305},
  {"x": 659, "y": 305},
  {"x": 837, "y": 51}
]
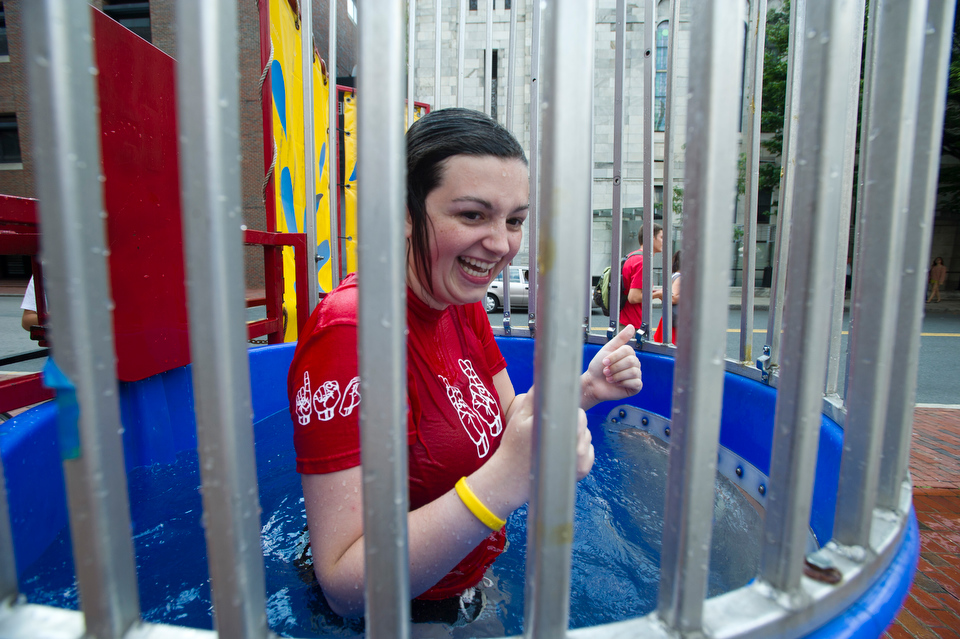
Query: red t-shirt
[
  {"x": 454, "y": 421},
  {"x": 632, "y": 278}
]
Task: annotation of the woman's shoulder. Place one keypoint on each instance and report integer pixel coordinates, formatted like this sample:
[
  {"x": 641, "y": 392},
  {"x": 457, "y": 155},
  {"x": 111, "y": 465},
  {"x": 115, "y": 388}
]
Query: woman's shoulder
[{"x": 339, "y": 306}]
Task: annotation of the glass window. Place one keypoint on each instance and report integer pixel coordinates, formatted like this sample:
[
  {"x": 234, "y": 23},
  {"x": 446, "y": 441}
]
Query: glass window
[
  {"x": 352, "y": 10},
  {"x": 4, "y": 49},
  {"x": 473, "y": 5},
  {"x": 660, "y": 83},
  {"x": 133, "y": 15},
  {"x": 514, "y": 275},
  {"x": 9, "y": 140}
]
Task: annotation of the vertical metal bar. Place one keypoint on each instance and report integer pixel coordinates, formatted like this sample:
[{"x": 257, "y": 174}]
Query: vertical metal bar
[
  {"x": 309, "y": 149},
  {"x": 461, "y": 44},
  {"x": 436, "y": 57},
  {"x": 209, "y": 115},
  {"x": 890, "y": 125},
  {"x": 382, "y": 318},
  {"x": 913, "y": 286},
  {"x": 333, "y": 148},
  {"x": 818, "y": 191},
  {"x": 668, "y": 163},
  {"x": 8, "y": 565},
  {"x": 533, "y": 214},
  {"x": 649, "y": 75},
  {"x": 411, "y": 54},
  {"x": 616, "y": 224},
  {"x": 787, "y": 167},
  {"x": 710, "y": 190},
  {"x": 752, "y": 96},
  {"x": 846, "y": 203},
  {"x": 63, "y": 103},
  {"x": 488, "y": 63},
  {"x": 568, "y": 80},
  {"x": 511, "y": 66}
]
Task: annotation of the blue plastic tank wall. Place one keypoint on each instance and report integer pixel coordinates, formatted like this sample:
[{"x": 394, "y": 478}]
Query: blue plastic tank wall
[{"x": 159, "y": 422}]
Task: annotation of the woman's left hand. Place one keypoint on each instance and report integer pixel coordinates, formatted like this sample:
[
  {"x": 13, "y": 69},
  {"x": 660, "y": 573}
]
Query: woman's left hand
[{"x": 614, "y": 372}]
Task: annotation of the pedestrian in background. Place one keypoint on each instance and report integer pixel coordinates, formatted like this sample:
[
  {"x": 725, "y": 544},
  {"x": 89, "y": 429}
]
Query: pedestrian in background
[{"x": 938, "y": 277}]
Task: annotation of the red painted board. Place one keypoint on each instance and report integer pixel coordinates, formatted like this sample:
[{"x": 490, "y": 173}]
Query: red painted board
[
  {"x": 17, "y": 392},
  {"x": 138, "y": 123}
]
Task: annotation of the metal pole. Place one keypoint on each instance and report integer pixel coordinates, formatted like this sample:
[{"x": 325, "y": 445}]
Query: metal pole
[
  {"x": 488, "y": 64},
  {"x": 818, "y": 191},
  {"x": 511, "y": 61},
  {"x": 382, "y": 321},
  {"x": 533, "y": 214},
  {"x": 436, "y": 57},
  {"x": 616, "y": 224},
  {"x": 668, "y": 163},
  {"x": 753, "y": 96},
  {"x": 710, "y": 191},
  {"x": 788, "y": 164},
  {"x": 568, "y": 79},
  {"x": 333, "y": 161},
  {"x": 411, "y": 53},
  {"x": 209, "y": 115},
  {"x": 63, "y": 104},
  {"x": 891, "y": 122},
  {"x": 649, "y": 74},
  {"x": 8, "y": 566},
  {"x": 309, "y": 148},
  {"x": 461, "y": 43},
  {"x": 913, "y": 286}
]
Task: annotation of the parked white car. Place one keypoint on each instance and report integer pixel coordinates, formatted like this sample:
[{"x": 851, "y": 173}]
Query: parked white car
[{"x": 518, "y": 290}]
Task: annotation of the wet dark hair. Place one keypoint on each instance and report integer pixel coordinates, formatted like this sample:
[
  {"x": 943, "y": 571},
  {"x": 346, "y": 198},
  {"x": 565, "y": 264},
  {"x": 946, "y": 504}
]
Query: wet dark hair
[
  {"x": 676, "y": 262},
  {"x": 433, "y": 139}
]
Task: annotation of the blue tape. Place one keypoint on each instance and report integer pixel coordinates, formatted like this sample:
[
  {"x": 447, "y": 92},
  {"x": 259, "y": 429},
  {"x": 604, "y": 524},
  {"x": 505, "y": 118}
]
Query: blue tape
[{"x": 68, "y": 411}]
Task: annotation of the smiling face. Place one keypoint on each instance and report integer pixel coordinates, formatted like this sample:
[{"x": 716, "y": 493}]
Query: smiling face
[{"x": 475, "y": 223}]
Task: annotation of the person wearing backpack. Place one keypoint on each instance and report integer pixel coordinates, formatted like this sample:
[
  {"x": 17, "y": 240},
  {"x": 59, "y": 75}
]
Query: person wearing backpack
[{"x": 632, "y": 282}]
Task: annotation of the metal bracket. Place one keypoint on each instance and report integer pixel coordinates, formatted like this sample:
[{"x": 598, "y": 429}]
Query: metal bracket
[
  {"x": 763, "y": 363},
  {"x": 507, "y": 330},
  {"x": 532, "y": 324}
]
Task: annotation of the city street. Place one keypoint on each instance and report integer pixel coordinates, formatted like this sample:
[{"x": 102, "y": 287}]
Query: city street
[{"x": 938, "y": 376}]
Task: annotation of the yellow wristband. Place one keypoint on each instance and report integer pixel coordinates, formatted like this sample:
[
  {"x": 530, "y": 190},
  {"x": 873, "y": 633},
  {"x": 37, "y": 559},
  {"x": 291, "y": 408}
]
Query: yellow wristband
[{"x": 479, "y": 510}]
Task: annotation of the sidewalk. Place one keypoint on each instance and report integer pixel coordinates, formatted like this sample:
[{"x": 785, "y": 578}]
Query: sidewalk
[{"x": 932, "y": 608}]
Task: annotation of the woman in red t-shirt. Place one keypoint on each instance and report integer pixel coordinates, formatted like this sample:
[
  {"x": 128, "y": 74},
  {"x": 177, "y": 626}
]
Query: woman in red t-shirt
[{"x": 468, "y": 433}]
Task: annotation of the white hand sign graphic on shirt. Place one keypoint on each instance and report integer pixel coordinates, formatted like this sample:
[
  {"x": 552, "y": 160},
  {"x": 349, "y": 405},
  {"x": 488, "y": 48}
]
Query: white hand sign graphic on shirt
[
  {"x": 351, "y": 397},
  {"x": 325, "y": 400},
  {"x": 471, "y": 421},
  {"x": 303, "y": 401},
  {"x": 483, "y": 402}
]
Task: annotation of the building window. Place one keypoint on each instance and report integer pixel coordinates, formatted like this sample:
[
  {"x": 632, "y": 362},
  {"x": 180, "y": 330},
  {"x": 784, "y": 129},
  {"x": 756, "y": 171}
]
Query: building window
[
  {"x": 658, "y": 202},
  {"x": 4, "y": 49},
  {"x": 473, "y": 5},
  {"x": 133, "y": 15},
  {"x": 660, "y": 82},
  {"x": 352, "y": 10},
  {"x": 9, "y": 140},
  {"x": 506, "y": 4}
]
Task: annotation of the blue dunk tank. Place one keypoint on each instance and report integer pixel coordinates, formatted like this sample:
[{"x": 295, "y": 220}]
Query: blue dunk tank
[{"x": 618, "y": 525}]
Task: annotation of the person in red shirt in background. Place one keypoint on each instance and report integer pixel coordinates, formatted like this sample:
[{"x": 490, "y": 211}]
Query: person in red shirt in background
[
  {"x": 468, "y": 434},
  {"x": 632, "y": 311}
]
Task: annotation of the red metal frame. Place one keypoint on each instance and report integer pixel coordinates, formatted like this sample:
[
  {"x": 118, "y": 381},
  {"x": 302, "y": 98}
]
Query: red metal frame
[
  {"x": 273, "y": 244},
  {"x": 25, "y": 390}
]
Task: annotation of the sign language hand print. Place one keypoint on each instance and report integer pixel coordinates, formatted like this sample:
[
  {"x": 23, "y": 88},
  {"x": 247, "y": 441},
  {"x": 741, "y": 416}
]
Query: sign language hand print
[
  {"x": 351, "y": 397},
  {"x": 325, "y": 400},
  {"x": 303, "y": 401}
]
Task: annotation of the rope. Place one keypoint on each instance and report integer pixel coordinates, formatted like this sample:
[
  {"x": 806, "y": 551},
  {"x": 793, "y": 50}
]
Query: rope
[{"x": 273, "y": 162}]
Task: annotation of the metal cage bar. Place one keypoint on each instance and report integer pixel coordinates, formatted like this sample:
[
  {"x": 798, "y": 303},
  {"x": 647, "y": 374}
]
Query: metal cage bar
[
  {"x": 209, "y": 116},
  {"x": 818, "y": 191},
  {"x": 309, "y": 136},
  {"x": 568, "y": 77},
  {"x": 8, "y": 566},
  {"x": 888, "y": 152},
  {"x": 438, "y": 23},
  {"x": 616, "y": 224},
  {"x": 913, "y": 274},
  {"x": 752, "y": 97},
  {"x": 788, "y": 166},
  {"x": 488, "y": 63},
  {"x": 649, "y": 75},
  {"x": 63, "y": 101},
  {"x": 411, "y": 55},
  {"x": 844, "y": 212},
  {"x": 382, "y": 321},
  {"x": 710, "y": 190},
  {"x": 668, "y": 168},
  {"x": 461, "y": 44},
  {"x": 511, "y": 65},
  {"x": 533, "y": 214},
  {"x": 333, "y": 149}
]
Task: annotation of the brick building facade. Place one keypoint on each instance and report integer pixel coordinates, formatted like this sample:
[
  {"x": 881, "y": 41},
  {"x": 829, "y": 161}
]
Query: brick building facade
[{"x": 156, "y": 21}]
